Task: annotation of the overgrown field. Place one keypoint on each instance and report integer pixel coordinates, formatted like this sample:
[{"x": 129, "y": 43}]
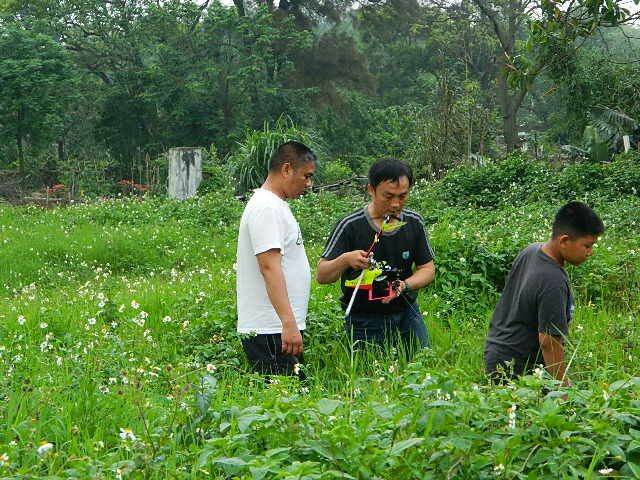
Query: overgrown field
[{"x": 120, "y": 360}]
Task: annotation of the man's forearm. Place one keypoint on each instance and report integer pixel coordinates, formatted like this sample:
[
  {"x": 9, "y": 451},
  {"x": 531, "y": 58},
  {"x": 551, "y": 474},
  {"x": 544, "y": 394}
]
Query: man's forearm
[
  {"x": 277, "y": 292},
  {"x": 553, "y": 354},
  {"x": 329, "y": 271},
  {"x": 421, "y": 277}
]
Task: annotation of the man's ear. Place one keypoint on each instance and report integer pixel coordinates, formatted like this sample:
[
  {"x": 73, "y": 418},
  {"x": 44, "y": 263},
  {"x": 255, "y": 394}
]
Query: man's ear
[
  {"x": 563, "y": 239},
  {"x": 370, "y": 190},
  {"x": 286, "y": 169}
]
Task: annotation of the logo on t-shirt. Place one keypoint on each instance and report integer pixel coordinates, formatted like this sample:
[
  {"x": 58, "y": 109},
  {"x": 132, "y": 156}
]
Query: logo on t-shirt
[
  {"x": 299, "y": 239},
  {"x": 405, "y": 255}
]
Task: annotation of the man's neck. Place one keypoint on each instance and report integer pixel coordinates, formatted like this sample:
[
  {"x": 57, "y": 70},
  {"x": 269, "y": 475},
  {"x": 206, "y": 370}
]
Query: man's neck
[
  {"x": 552, "y": 251},
  {"x": 273, "y": 187},
  {"x": 375, "y": 216},
  {"x": 378, "y": 217}
]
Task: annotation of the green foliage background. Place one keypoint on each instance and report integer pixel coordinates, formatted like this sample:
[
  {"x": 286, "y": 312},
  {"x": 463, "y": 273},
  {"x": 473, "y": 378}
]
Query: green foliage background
[{"x": 95, "y": 92}]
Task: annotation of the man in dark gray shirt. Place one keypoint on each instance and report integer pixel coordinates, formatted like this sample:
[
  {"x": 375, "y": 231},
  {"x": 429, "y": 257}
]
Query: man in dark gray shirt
[{"x": 531, "y": 321}]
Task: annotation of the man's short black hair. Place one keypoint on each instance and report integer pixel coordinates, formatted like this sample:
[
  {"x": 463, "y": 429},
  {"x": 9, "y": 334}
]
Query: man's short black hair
[
  {"x": 389, "y": 169},
  {"x": 577, "y": 219},
  {"x": 292, "y": 152}
]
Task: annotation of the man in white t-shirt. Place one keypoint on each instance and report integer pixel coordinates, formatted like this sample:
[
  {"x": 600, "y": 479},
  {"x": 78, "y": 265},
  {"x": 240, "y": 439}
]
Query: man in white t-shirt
[{"x": 273, "y": 273}]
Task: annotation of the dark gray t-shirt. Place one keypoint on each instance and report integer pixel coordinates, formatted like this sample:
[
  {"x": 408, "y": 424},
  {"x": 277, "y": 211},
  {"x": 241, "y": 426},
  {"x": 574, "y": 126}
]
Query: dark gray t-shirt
[{"x": 536, "y": 299}]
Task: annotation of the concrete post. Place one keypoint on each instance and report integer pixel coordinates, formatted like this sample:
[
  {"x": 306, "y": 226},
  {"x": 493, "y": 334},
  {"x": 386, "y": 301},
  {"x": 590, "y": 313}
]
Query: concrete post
[{"x": 185, "y": 172}]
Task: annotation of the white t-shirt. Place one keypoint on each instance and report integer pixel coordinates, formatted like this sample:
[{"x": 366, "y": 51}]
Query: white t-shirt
[{"x": 267, "y": 223}]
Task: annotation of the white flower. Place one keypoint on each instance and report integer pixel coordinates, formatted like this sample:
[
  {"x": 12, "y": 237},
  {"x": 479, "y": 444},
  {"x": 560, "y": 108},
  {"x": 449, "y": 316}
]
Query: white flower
[
  {"x": 138, "y": 321},
  {"x": 21, "y": 320},
  {"x": 127, "y": 434},
  {"x": 4, "y": 458},
  {"x": 43, "y": 325},
  {"x": 135, "y": 305},
  {"x": 44, "y": 448},
  {"x": 498, "y": 469},
  {"x": 166, "y": 319},
  {"x": 212, "y": 368},
  {"x": 538, "y": 372},
  {"x": 512, "y": 416},
  {"x": 605, "y": 471},
  {"x": 143, "y": 314},
  {"x": 91, "y": 321}
]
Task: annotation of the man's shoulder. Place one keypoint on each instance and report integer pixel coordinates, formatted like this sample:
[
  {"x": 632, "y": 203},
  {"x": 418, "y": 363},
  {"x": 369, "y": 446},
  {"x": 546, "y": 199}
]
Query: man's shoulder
[
  {"x": 540, "y": 268},
  {"x": 262, "y": 201},
  {"x": 351, "y": 219},
  {"x": 411, "y": 216}
]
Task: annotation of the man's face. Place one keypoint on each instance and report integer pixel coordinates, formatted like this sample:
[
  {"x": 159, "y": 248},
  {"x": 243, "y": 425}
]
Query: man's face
[
  {"x": 298, "y": 179},
  {"x": 388, "y": 197},
  {"x": 576, "y": 250}
]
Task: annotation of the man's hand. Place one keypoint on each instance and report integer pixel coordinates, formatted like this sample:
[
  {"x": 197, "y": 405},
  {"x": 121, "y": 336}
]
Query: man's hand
[
  {"x": 398, "y": 287},
  {"x": 357, "y": 259},
  {"x": 291, "y": 339},
  {"x": 330, "y": 270}
]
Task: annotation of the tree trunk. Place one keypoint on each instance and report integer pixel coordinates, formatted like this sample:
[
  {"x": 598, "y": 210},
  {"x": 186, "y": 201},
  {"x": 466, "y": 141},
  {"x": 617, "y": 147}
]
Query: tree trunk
[
  {"x": 239, "y": 4},
  {"x": 20, "y": 139},
  {"x": 61, "y": 153},
  {"x": 20, "y": 152},
  {"x": 50, "y": 171},
  {"x": 509, "y": 106},
  {"x": 510, "y": 128}
]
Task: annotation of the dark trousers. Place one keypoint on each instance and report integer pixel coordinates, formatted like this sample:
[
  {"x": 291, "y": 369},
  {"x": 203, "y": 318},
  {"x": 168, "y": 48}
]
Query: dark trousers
[
  {"x": 501, "y": 365},
  {"x": 264, "y": 352},
  {"x": 405, "y": 328}
]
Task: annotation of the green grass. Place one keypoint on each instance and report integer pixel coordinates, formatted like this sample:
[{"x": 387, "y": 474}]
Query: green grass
[{"x": 176, "y": 376}]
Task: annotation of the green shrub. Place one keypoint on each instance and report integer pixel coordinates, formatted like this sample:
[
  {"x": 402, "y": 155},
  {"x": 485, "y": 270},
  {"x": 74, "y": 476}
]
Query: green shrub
[
  {"x": 623, "y": 174},
  {"x": 577, "y": 179},
  {"x": 250, "y": 163},
  {"x": 215, "y": 175},
  {"x": 511, "y": 179},
  {"x": 334, "y": 171}
]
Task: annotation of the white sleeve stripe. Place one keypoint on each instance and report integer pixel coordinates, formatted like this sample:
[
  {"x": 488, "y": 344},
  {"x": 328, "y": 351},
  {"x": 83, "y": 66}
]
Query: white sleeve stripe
[
  {"x": 339, "y": 230},
  {"x": 433, "y": 255},
  {"x": 416, "y": 215}
]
